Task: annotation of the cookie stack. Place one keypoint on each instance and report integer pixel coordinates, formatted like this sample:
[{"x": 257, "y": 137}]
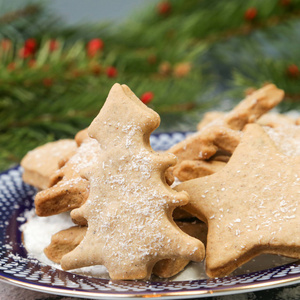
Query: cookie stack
[{"x": 238, "y": 194}]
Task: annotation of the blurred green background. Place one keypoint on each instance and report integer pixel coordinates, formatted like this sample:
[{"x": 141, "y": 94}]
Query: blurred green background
[{"x": 59, "y": 60}]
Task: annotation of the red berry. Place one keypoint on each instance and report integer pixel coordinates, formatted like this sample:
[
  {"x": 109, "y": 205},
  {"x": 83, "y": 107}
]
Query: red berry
[
  {"x": 28, "y": 49},
  {"x": 30, "y": 44},
  {"x": 293, "y": 71},
  {"x": 111, "y": 72},
  {"x": 250, "y": 13},
  {"x": 147, "y": 97},
  {"x": 47, "y": 82},
  {"x": 53, "y": 45},
  {"x": 285, "y": 2},
  {"x": 164, "y": 8},
  {"x": 94, "y": 46},
  {"x": 25, "y": 52}
]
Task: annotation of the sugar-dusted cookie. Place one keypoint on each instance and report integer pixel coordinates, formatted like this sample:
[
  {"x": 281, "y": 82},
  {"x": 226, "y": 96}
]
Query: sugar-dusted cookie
[
  {"x": 66, "y": 240},
  {"x": 253, "y": 107},
  {"x": 68, "y": 189},
  {"x": 167, "y": 268},
  {"x": 250, "y": 205},
  {"x": 40, "y": 163},
  {"x": 275, "y": 120},
  {"x": 205, "y": 143},
  {"x": 298, "y": 121},
  {"x": 223, "y": 133},
  {"x": 286, "y": 138},
  {"x": 270, "y": 119},
  {"x": 129, "y": 208}
]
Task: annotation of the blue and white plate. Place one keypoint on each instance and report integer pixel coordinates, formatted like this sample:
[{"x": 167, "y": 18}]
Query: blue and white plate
[{"x": 18, "y": 268}]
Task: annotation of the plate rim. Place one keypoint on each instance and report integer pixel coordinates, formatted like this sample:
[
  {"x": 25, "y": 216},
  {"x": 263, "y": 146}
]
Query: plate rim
[{"x": 63, "y": 291}]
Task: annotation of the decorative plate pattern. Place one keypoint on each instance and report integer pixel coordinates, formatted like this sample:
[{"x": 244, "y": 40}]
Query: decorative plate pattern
[{"x": 17, "y": 267}]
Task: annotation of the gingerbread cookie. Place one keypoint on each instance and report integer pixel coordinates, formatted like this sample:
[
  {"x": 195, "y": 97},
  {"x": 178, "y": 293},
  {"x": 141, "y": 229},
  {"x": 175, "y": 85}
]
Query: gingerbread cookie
[
  {"x": 249, "y": 205},
  {"x": 286, "y": 138},
  {"x": 68, "y": 189},
  {"x": 167, "y": 268},
  {"x": 210, "y": 142},
  {"x": 210, "y": 117},
  {"x": 253, "y": 107},
  {"x": 204, "y": 144},
  {"x": 129, "y": 208},
  {"x": 40, "y": 163},
  {"x": 66, "y": 240},
  {"x": 270, "y": 119},
  {"x": 275, "y": 120},
  {"x": 81, "y": 136},
  {"x": 223, "y": 133},
  {"x": 190, "y": 169}
]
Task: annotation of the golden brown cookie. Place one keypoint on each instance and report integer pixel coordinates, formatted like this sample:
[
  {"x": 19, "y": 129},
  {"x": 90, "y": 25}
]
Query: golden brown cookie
[
  {"x": 223, "y": 133},
  {"x": 40, "y": 163},
  {"x": 250, "y": 205},
  {"x": 68, "y": 189},
  {"x": 254, "y": 106},
  {"x": 167, "y": 268},
  {"x": 190, "y": 169},
  {"x": 129, "y": 208},
  {"x": 204, "y": 144},
  {"x": 286, "y": 138},
  {"x": 275, "y": 120},
  {"x": 270, "y": 119},
  {"x": 66, "y": 240},
  {"x": 210, "y": 117},
  {"x": 81, "y": 136}
]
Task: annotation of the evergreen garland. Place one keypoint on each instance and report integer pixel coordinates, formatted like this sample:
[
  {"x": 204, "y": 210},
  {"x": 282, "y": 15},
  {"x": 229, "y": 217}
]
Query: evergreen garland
[{"x": 180, "y": 57}]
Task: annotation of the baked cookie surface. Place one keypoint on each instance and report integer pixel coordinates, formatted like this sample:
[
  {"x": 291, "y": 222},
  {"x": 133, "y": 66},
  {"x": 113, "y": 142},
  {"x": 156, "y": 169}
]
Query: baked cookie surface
[
  {"x": 130, "y": 205},
  {"x": 251, "y": 206}
]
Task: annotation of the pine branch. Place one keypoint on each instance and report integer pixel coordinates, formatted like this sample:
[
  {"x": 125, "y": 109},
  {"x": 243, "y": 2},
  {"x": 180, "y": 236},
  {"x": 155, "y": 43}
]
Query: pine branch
[
  {"x": 27, "y": 11},
  {"x": 190, "y": 59},
  {"x": 246, "y": 29}
]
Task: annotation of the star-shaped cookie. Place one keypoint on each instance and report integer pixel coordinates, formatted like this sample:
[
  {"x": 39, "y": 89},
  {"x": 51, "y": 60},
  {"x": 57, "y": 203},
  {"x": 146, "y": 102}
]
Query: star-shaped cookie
[
  {"x": 251, "y": 206},
  {"x": 224, "y": 131}
]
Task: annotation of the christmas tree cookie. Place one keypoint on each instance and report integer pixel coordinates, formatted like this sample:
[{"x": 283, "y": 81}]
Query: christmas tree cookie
[{"x": 129, "y": 208}]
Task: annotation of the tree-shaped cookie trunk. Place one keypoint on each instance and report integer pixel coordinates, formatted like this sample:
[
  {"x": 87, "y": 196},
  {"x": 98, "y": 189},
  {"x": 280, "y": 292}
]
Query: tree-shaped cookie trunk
[{"x": 129, "y": 209}]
